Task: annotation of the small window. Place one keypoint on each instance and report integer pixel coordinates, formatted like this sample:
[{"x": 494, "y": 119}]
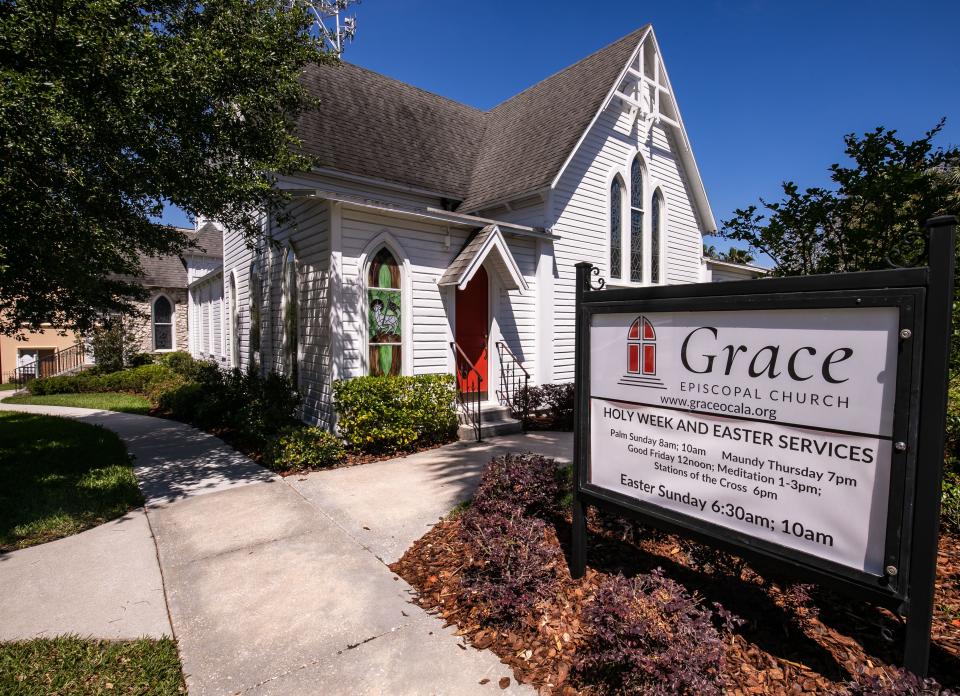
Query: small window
[
  {"x": 384, "y": 317},
  {"x": 162, "y": 324},
  {"x": 291, "y": 316},
  {"x": 656, "y": 235},
  {"x": 616, "y": 212},
  {"x": 636, "y": 221}
]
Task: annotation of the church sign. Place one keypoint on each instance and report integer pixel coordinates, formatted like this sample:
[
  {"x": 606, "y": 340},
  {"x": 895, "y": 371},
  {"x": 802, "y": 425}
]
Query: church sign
[{"x": 795, "y": 421}]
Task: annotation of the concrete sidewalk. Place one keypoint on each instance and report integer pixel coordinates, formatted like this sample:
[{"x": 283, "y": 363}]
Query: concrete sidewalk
[
  {"x": 104, "y": 582},
  {"x": 388, "y": 505},
  {"x": 275, "y": 587}
]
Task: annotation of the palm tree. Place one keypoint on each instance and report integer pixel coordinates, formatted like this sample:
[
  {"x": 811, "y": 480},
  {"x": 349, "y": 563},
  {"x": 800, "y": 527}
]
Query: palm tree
[{"x": 735, "y": 255}]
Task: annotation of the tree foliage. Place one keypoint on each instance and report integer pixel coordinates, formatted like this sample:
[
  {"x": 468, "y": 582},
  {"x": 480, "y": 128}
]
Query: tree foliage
[
  {"x": 731, "y": 255},
  {"x": 108, "y": 109},
  {"x": 872, "y": 216}
]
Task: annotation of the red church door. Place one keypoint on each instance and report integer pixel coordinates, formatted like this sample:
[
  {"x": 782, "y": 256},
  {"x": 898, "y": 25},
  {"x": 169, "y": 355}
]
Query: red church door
[{"x": 473, "y": 317}]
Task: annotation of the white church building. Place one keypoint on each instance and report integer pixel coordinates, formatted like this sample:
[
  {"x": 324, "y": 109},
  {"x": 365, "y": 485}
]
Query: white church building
[{"x": 434, "y": 237}]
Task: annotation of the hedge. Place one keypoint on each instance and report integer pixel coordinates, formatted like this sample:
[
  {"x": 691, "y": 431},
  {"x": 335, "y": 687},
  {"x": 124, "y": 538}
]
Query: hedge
[
  {"x": 136, "y": 379},
  {"x": 382, "y": 415}
]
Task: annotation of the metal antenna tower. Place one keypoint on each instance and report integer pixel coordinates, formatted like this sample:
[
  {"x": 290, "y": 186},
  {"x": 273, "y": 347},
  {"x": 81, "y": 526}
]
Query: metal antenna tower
[{"x": 330, "y": 27}]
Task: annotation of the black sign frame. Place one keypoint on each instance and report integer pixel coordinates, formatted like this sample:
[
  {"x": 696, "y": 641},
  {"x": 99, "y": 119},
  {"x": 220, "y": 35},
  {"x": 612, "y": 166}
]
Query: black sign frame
[{"x": 924, "y": 298}]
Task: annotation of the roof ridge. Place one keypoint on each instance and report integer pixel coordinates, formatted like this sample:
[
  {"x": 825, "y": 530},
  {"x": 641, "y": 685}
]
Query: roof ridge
[{"x": 638, "y": 31}]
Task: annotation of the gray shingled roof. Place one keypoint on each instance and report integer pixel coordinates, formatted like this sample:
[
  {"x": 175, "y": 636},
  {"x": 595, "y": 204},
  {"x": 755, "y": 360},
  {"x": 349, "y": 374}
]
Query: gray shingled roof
[
  {"x": 209, "y": 240},
  {"x": 163, "y": 272},
  {"x": 454, "y": 273},
  {"x": 529, "y": 136},
  {"x": 372, "y": 125},
  {"x": 171, "y": 271}
]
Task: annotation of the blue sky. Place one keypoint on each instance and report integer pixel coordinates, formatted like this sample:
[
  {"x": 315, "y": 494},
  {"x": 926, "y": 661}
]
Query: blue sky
[{"x": 767, "y": 88}]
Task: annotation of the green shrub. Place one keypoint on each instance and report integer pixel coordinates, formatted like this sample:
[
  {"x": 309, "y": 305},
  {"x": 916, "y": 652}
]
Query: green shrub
[
  {"x": 255, "y": 407},
  {"x": 390, "y": 414},
  {"x": 135, "y": 379},
  {"x": 296, "y": 449},
  {"x": 950, "y": 502},
  {"x": 555, "y": 401},
  {"x": 139, "y": 359},
  {"x": 180, "y": 361},
  {"x": 953, "y": 422},
  {"x": 181, "y": 401},
  {"x": 113, "y": 344}
]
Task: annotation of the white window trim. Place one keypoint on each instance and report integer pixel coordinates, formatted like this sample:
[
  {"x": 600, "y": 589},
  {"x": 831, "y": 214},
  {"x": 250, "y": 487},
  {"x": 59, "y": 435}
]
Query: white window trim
[
  {"x": 153, "y": 323},
  {"x": 386, "y": 239}
]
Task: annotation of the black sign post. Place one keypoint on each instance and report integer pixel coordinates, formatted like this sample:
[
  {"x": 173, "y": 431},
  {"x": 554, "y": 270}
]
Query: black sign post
[{"x": 923, "y": 298}]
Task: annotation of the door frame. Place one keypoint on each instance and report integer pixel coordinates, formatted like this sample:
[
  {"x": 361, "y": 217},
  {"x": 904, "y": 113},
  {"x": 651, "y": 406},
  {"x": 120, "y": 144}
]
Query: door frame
[{"x": 493, "y": 362}]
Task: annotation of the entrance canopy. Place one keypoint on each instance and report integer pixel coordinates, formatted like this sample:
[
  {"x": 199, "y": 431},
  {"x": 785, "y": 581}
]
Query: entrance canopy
[{"x": 486, "y": 244}]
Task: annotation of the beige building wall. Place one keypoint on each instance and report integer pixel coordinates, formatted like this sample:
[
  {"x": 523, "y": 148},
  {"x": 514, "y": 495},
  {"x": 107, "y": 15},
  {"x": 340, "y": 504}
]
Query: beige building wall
[{"x": 49, "y": 340}]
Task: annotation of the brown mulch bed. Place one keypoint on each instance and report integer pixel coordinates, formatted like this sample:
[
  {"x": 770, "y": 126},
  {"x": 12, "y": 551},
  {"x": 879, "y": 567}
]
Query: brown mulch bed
[{"x": 788, "y": 643}]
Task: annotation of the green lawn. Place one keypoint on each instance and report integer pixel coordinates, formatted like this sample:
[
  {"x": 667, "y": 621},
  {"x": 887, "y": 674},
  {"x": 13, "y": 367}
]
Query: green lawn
[
  {"x": 69, "y": 665},
  {"x": 107, "y": 401},
  {"x": 9, "y": 386},
  {"x": 59, "y": 477}
]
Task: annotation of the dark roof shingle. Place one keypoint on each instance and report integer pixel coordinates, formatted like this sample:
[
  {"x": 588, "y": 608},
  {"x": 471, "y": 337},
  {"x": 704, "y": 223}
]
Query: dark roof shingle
[
  {"x": 372, "y": 125},
  {"x": 529, "y": 136}
]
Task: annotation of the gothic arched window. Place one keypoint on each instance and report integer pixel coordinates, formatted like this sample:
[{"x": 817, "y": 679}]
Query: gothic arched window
[
  {"x": 384, "y": 316},
  {"x": 616, "y": 227},
  {"x": 162, "y": 324},
  {"x": 656, "y": 235},
  {"x": 636, "y": 220}
]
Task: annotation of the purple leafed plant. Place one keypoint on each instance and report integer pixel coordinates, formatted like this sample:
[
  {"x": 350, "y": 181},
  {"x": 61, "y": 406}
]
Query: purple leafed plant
[
  {"x": 511, "y": 564},
  {"x": 528, "y": 483},
  {"x": 647, "y": 635}
]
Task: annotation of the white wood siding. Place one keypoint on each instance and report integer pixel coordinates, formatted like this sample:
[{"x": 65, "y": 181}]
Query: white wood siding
[
  {"x": 580, "y": 208},
  {"x": 206, "y": 320},
  {"x": 308, "y": 232}
]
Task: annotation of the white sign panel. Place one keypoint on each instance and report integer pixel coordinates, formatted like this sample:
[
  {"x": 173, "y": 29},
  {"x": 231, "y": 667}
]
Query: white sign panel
[{"x": 776, "y": 423}]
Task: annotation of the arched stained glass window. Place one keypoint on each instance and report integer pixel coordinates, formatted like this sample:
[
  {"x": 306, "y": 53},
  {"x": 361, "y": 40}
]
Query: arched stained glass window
[
  {"x": 616, "y": 225},
  {"x": 384, "y": 318},
  {"x": 656, "y": 235},
  {"x": 636, "y": 220},
  {"x": 162, "y": 324}
]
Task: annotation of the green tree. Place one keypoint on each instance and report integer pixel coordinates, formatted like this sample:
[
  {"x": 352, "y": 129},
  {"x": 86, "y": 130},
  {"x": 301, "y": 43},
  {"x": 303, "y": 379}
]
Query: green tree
[
  {"x": 109, "y": 109},
  {"x": 872, "y": 216},
  {"x": 735, "y": 255}
]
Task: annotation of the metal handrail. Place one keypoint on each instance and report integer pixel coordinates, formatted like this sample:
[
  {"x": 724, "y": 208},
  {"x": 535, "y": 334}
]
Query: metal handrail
[
  {"x": 509, "y": 382},
  {"x": 461, "y": 363},
  {"x": 50, "y": 365}
]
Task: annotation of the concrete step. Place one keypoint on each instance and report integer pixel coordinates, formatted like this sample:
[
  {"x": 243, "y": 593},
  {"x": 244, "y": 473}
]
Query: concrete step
[
  {"x": 489, "y": 412},
  {"x": 490, "y": 428}
]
